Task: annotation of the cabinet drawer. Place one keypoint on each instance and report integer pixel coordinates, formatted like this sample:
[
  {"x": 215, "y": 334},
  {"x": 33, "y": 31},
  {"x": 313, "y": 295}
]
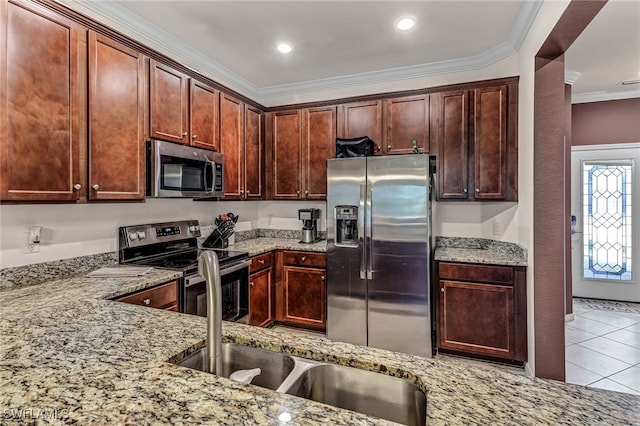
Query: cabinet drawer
[
  {"x": 478, "y": 273},
  {"x": 163, "y": 296},
  {"x": 304, "y": 258},
  {"x": 260, "y": 262}
]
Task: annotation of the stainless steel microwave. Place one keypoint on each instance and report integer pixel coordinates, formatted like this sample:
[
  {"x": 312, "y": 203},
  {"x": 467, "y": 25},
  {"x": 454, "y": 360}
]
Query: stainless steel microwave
[{"x": 180, "y": 171}]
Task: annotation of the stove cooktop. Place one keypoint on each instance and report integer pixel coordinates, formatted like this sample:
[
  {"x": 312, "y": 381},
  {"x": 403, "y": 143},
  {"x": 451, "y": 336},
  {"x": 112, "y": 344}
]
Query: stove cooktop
[{"x": 189, "y": 260}]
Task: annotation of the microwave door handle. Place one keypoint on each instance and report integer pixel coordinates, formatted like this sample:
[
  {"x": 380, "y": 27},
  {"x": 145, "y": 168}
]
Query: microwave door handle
[{"x": 207, "y": 166}]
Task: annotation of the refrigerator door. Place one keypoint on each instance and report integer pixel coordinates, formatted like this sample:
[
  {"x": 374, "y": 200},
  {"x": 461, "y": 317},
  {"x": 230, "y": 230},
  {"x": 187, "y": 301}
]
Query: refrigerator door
[
  {"x": 398, "y": 287},
  {"x": 346, "y": 289}
]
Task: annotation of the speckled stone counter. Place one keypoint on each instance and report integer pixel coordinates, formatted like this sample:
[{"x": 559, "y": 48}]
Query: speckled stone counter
[
  {"x": 70, "y": 356},
  {"x": 479, "y": 250},
  {"x": 261, "y": 245}
]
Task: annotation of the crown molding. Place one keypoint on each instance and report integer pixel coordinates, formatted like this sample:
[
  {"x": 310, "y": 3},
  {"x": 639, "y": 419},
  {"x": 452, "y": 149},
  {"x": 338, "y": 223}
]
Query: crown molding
[
  {"x": 581, "y": 98},
  {"x": 119, "y": 18},
  {"x": 570, "y": 77}
]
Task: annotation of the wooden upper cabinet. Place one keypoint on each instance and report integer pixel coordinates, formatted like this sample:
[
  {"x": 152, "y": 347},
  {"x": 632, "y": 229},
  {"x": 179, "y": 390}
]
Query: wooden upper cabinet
[
  {"x": 253, "y": 153},
  {"x": 490, "y": 142},
  {"x": 42, "y": 67},
  {"x": 287, "y": 154},
  {"x": 204, "y": 101},
  {"x": 168, "y": 103},
  {"x": 231, "y": 145},
  {"x": 116, "y": 121},
  {"x": 407, "y": 121},
  {"x": 363, "y": 119},
  {"x": 320, "y": 144},
  {"x": 453, "y": 144}
]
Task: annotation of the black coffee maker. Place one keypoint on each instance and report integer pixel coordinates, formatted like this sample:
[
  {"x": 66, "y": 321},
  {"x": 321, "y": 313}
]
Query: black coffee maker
[{"x": 309, "y": 218}]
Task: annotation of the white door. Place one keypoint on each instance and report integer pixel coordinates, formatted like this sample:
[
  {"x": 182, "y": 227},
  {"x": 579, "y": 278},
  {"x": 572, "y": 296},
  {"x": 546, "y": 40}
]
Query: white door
[{"x": 605, "y": 209}]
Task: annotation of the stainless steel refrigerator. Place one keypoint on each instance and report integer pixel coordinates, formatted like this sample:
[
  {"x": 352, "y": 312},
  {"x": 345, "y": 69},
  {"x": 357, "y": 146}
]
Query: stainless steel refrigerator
[{"x": 378, "y": 252}]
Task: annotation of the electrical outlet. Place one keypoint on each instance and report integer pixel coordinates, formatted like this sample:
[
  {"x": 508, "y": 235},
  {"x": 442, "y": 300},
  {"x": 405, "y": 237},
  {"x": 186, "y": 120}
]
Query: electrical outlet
[
  {"x": 33, "y": 240},
  {"x": 497, "y": 228}
]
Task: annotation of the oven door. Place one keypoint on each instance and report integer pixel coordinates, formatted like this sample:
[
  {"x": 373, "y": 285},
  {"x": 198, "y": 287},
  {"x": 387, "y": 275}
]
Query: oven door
[{"x": 234, "y": 280}]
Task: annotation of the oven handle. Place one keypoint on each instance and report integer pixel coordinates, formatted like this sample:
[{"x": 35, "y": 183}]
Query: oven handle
[
  {"x": 235, "y": 267},
  {"x": 193, "y": 280}
]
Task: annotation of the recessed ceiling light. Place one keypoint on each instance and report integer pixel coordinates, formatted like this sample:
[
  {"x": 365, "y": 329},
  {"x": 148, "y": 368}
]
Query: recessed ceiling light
[
  {"x": 405, "y": 23},
  {"x": 285, "y": 47}
]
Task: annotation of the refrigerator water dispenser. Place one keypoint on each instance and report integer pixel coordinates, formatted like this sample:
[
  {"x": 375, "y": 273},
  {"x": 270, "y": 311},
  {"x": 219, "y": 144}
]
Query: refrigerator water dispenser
[{"x": 346, "y": 226}]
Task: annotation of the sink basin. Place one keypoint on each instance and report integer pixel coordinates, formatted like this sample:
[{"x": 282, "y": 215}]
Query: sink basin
[
  {"x": 275, "y": 366},
  {"x": 366, "y": 392},
  {"x": 357, "y": 390}
]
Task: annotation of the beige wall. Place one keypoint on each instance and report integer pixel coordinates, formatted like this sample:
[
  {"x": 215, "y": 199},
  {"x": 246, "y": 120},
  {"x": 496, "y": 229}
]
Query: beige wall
[{"x": 597, "y": 123}]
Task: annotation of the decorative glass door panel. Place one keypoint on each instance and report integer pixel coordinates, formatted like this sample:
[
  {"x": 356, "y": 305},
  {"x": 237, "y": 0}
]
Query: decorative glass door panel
[{"x": 607, "y": 220}]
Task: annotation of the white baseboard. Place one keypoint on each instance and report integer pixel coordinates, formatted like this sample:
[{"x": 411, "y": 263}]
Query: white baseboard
[{"x": 528, "y": 370}]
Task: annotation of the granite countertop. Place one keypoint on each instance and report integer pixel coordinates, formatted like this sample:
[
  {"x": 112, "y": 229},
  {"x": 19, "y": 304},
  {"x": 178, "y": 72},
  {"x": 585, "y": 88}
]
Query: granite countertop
[
  {"x": 261, "y": 245},
  {"x": 69, "y": 353},
  {"x": 479, "y": 250}
]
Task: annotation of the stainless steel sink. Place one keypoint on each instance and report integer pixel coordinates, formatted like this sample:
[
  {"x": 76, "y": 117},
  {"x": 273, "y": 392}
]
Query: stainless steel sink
[
  {"x": 366, "y": 392},
  {"x": 275, "y": 366},
  {"x": 362, "y": 391}
]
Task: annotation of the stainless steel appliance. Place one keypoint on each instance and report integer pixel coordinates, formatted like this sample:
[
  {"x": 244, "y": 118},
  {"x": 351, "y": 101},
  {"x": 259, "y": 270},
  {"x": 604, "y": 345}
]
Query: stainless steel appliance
[
  {"x": 378, "y": 252},
  {"x": 180, "y": 171},
  {"x": 309, "y": 218},
  {"x": 174, "y": 245}
]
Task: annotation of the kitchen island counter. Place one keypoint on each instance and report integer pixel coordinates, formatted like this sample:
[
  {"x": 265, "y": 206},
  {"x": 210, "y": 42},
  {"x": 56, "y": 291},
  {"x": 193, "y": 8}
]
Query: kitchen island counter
[
  {"x": 69, "y": 353},
  {"x": 256, "y": 246}
]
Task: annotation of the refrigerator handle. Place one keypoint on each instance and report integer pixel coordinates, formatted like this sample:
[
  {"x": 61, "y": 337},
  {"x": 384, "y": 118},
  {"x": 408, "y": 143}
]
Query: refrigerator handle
[
  {"x": 369, "y": 232},
  {"x": 362, "y": 237}
]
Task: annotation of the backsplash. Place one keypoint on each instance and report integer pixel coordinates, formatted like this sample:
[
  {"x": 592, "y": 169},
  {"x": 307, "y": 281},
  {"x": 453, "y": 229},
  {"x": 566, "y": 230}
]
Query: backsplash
[{"x": 23, "y": 276}]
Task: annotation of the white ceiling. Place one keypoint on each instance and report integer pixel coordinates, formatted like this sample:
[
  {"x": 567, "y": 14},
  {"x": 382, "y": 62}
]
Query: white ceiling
[{"x": 337, "y": 42}]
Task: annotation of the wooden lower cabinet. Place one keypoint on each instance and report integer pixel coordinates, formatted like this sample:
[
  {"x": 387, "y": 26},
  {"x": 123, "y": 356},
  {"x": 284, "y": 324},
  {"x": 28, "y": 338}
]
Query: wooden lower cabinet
[
  {"x": 482, "y": 310},
  {"x": 164, "y": 296},
  {"x": 302, "y": 289},
  {"x": 262, "y": 291}
]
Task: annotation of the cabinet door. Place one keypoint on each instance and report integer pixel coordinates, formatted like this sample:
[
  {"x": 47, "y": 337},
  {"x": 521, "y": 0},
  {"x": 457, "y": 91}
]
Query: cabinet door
[
  {"x": 287, "y": 151},
  {"x": 305, "y": 298},
  {"x": 261, "y": 298},
  {"x": 253, "y": 153},
  {"x": 476, "y": 318},
  {"x": 231, "y": 145},
  {"x": 453, "y": 144},
  {"x": 490, "y": 142},
  {"x": 320, "y": 143},
  {"x": 116, "y": 121},
  {"x": 204, "y": 115},
  {"x": 169, "y": 103},
  {"x": 364, "y": 119},
  {"x": 407, "y": 121},
  {"x": 41, "y": 100}
]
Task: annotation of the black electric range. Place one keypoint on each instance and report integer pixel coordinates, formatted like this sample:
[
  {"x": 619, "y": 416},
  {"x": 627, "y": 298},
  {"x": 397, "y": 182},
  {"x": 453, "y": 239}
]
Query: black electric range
[{"x": 174, "y": 246}]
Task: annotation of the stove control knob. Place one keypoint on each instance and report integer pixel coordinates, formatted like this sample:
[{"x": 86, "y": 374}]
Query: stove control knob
[
  {"x": 142, "y": 235},
  {"x": 133, "y": 236},
  {"x": 194, "y": 228}
]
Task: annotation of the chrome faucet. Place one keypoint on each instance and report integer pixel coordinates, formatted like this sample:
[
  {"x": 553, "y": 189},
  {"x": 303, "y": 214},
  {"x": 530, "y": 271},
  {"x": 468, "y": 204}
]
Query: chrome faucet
[{"x": 209, "y": 268}]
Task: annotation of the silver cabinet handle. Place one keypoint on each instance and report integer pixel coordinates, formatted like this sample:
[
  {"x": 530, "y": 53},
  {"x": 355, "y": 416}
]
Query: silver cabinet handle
[
  {"x": 251, "y": 283},
  {"x": 77, "y": 187},
  {"x": 322, "y": 278},
  {"x": 185, "y": 134},
  {"x": 388, "y": 147},
  {"x": 303, "y": 258},
  {"x": 464, "y": 190},
  {"x": 261, "y": 261},
  {"x": 146, "y": 301},
  {"x": 477, "y": 189},
  {"x": 193, "y": 136},
  {"x": 442, "y": 290},
  {"x": 96, "y": 186},
  {"x": 298, "y": 192}
]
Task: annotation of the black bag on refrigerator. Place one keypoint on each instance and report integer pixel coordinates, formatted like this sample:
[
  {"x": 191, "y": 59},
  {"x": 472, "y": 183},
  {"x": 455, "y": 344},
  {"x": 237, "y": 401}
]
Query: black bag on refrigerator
[{"x": 356, "y": 147}]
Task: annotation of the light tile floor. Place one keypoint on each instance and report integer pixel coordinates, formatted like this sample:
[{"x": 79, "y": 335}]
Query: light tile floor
[{"x": 603, "y": 349}]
